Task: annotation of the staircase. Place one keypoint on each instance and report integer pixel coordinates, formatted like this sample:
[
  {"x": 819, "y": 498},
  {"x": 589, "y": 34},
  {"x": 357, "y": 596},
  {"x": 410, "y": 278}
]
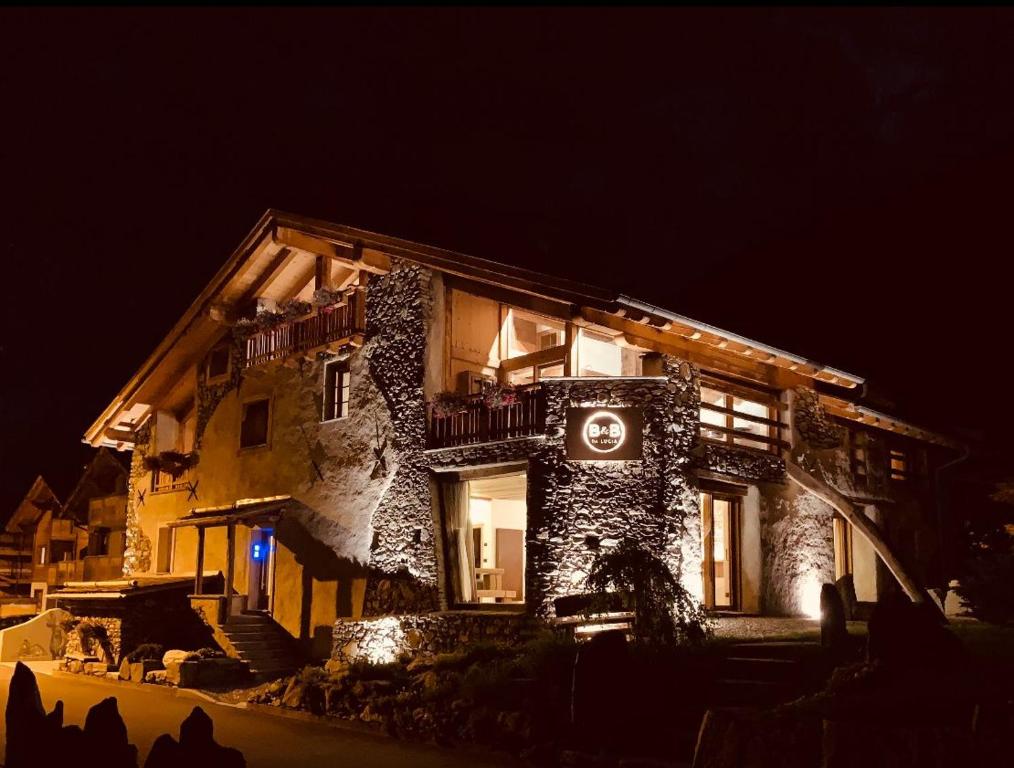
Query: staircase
[
  {"x": 765, "y": 674},
  {"x": 258, "y": 640}
]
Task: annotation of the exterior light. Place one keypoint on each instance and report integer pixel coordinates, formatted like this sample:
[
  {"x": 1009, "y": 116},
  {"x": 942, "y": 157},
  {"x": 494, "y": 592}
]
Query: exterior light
[{"x": 809, "y": 596}]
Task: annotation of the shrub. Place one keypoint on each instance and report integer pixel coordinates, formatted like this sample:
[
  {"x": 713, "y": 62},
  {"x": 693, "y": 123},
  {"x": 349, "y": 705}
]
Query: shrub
[
  {"x": 145, "y": 652},
  {"x": 988, "y": 587},
  {"x": 664, "y": 612}
]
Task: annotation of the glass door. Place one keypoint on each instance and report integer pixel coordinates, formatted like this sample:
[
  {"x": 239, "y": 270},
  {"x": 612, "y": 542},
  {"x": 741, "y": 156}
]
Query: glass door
[{"x": 720, "y": 528}]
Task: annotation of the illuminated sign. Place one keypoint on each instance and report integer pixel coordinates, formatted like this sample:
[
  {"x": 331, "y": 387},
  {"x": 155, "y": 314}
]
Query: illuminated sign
[{"x": 604, "y": 434}]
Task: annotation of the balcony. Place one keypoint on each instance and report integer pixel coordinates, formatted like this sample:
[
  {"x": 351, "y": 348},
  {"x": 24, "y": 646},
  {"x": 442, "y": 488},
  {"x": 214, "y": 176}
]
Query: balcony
[
  {"x": 337, "y": 323},
  {"x": 480, "y": 419}
]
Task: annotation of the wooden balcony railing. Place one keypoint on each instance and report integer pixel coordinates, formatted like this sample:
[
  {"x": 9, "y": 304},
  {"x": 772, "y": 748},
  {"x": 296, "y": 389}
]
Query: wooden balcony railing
[
  {"x": 328, "y": 325},
  {"x": 478, "y": 422}
]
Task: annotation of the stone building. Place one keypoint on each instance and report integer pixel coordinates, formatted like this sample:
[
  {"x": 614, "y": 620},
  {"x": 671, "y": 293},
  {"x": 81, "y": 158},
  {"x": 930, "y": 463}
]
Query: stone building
[{"x": 363, "y": 433}]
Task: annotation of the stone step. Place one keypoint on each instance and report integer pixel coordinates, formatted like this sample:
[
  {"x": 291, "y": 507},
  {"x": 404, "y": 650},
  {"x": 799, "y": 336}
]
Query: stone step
[{"x": 274, "y": 643}]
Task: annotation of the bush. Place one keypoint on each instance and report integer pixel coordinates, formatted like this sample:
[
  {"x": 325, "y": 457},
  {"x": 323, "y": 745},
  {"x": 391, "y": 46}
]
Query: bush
[
  {"x": 664, "y": 612},
  {"x": 988, "y": 587},
  {"x": 145, "y": 652}
]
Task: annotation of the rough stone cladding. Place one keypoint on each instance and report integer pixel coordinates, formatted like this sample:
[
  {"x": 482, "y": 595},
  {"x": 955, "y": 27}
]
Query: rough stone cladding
[
  {"x": 576, "y": 507},
  {"x": 743, "y": 463},
  {"x": 137, "y": 546},
  {"x": 386, "y": 638}
]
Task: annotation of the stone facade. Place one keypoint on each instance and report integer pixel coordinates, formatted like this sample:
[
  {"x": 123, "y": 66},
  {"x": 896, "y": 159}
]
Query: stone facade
[
  {"x": 575, "y": 507},
  {"x": 384, "y": 639},
  {"x": 743, "y": 463}
]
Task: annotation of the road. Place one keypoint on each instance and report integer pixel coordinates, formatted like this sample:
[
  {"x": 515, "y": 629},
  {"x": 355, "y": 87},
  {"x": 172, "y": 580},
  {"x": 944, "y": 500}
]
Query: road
[{"x": 263, "y": 738}]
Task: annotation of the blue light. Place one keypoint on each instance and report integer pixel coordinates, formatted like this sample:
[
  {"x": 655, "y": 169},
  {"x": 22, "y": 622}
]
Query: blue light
[{"x": 258, "y": 553}]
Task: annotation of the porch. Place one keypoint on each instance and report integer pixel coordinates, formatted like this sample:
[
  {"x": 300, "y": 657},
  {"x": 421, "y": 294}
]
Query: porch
[{"x": 261, "y": 514}]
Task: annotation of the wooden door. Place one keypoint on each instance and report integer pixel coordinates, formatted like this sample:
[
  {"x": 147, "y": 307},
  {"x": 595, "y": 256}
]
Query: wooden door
[{"x": 510, "y": 555}]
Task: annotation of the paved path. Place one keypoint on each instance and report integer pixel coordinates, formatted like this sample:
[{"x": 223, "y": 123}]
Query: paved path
[{"x": 264, "y": 739}]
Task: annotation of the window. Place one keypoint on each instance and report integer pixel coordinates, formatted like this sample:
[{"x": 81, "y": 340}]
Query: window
[
  {"x": 842, "y": 546},
  {"x": 535, "y": 347},
  {"x": 254, "y": 428},
  {"x": 739, "y": 415},
  {"x": 899, "y": 465},
  {"x": 484, "y": 524},
  {"x": 99, "y": 544},
  {"x": 337, "y": 386},
  {"x": 720, "y": 533},
  {"x": 598, "y": 354},
  {"x": 218, "y": 362}
]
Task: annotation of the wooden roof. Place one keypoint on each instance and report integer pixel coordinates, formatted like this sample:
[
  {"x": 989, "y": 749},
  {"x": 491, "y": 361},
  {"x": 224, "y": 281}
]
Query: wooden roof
[{"x": 279, "y": 238}]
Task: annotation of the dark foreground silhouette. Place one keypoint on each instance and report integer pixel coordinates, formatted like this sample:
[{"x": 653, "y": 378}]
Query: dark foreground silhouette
[{"x": 39, "y": 740}]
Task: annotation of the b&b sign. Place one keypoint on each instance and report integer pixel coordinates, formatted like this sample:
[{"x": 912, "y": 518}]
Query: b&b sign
[{"x": 604, "y": 434}]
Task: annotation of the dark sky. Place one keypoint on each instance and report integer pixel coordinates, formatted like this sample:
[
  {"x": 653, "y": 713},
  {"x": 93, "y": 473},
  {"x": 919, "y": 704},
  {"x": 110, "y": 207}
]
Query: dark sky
[{"x": 837, "y": 183}]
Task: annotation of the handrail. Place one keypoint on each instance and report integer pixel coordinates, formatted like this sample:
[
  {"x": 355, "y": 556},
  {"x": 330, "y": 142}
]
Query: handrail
[{"x": 327, "y": 325}]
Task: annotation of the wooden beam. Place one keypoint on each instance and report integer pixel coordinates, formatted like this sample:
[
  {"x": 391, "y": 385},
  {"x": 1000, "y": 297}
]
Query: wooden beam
[
  {"x": 349, "y": 253},
  {"x": 199, "y": 575},
  {"x": 278, "y": 264},
  {"x": 230, "y": 565}
]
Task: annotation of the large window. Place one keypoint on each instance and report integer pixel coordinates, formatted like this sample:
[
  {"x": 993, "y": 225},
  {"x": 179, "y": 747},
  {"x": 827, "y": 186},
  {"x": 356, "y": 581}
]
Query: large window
[
  {"x": 720, "y": 533},
  {"x": 842, "y": 546},
  {"x": 536, "y": 347},
  {"x": 256, "y": 420},
  {"x": 484, "y": 535},
  {"x": 738, "y": 415},
  {"x": 490, "y": 339},
  {"x": 337, "y": 387}
]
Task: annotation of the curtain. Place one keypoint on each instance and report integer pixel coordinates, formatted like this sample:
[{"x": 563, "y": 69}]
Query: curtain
[{"x": 460, "y": 549}]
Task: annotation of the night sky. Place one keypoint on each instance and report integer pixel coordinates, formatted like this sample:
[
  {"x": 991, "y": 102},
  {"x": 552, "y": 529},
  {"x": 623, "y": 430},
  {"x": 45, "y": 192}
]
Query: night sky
[{"x": 837, "y": 184}]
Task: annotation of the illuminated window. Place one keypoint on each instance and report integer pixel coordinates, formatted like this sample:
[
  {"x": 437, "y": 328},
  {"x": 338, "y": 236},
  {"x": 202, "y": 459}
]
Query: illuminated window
[
  {"x": 739, "y": 416},
  {"x": 254, "y": 428},
  {"x": 528, "y": 333},
  {"x": 337, "y": 387},
  {"x": 598, "y": 354},
  {"x": 899, "y": 465},
  {"x": 484, "y": 524},
  {"x": 842, "y": 546}
]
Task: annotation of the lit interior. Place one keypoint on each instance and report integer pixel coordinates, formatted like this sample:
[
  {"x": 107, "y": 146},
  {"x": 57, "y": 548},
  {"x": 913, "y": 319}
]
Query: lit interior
[{"x": 497, "y": 513}]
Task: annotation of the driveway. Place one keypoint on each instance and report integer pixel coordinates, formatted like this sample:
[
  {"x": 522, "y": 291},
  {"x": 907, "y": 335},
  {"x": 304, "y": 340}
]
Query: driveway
[{"x": 263, "y": 738}]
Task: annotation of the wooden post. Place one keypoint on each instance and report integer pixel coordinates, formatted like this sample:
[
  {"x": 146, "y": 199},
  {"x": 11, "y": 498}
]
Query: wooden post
[
  {"x": 230, "y": 566},
  {"x": 199, "y": 576}
]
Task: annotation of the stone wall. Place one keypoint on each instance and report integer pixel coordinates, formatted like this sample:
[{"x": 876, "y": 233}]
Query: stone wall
[
  {"x": 575, "y": 508},
  {"x": 797, "y": 550},
  {"x": 743, "y": 463},
  {"x": 398, "y": 313},
  {"x": 137, "y": 545},
  {"x": 384, "y": 639}
]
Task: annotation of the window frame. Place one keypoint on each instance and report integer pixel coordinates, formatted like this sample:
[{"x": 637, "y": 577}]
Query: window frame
[
  {"x": 732, "y": 391},
  {"x": 903, "y": 473},
  {"x": 242, "y": 418},
  {"x": 337, "y": 408}
]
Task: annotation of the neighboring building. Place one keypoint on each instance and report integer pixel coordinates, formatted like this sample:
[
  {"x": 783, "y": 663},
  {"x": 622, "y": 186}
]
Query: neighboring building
[
  {"x": 17, "y": 541},
  {"x": 46, "y": 544},
  {"x": 42, "y": 545},
  {"x": 348, "y": 425},
  {"x": 99, "y": 502}
]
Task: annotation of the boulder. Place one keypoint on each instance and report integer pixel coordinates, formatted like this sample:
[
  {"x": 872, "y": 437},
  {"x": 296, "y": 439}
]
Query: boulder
[
  {"x": 124, "y": 670},
  {"x": 105, "y": 734},
  {"x": 833, "y": 634},
  {"x": 847, "y": 591},
  {"x": 140, "y": 669},
  {"x": 97, "y": 668},
  {"x": 156, "y": 677}
]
